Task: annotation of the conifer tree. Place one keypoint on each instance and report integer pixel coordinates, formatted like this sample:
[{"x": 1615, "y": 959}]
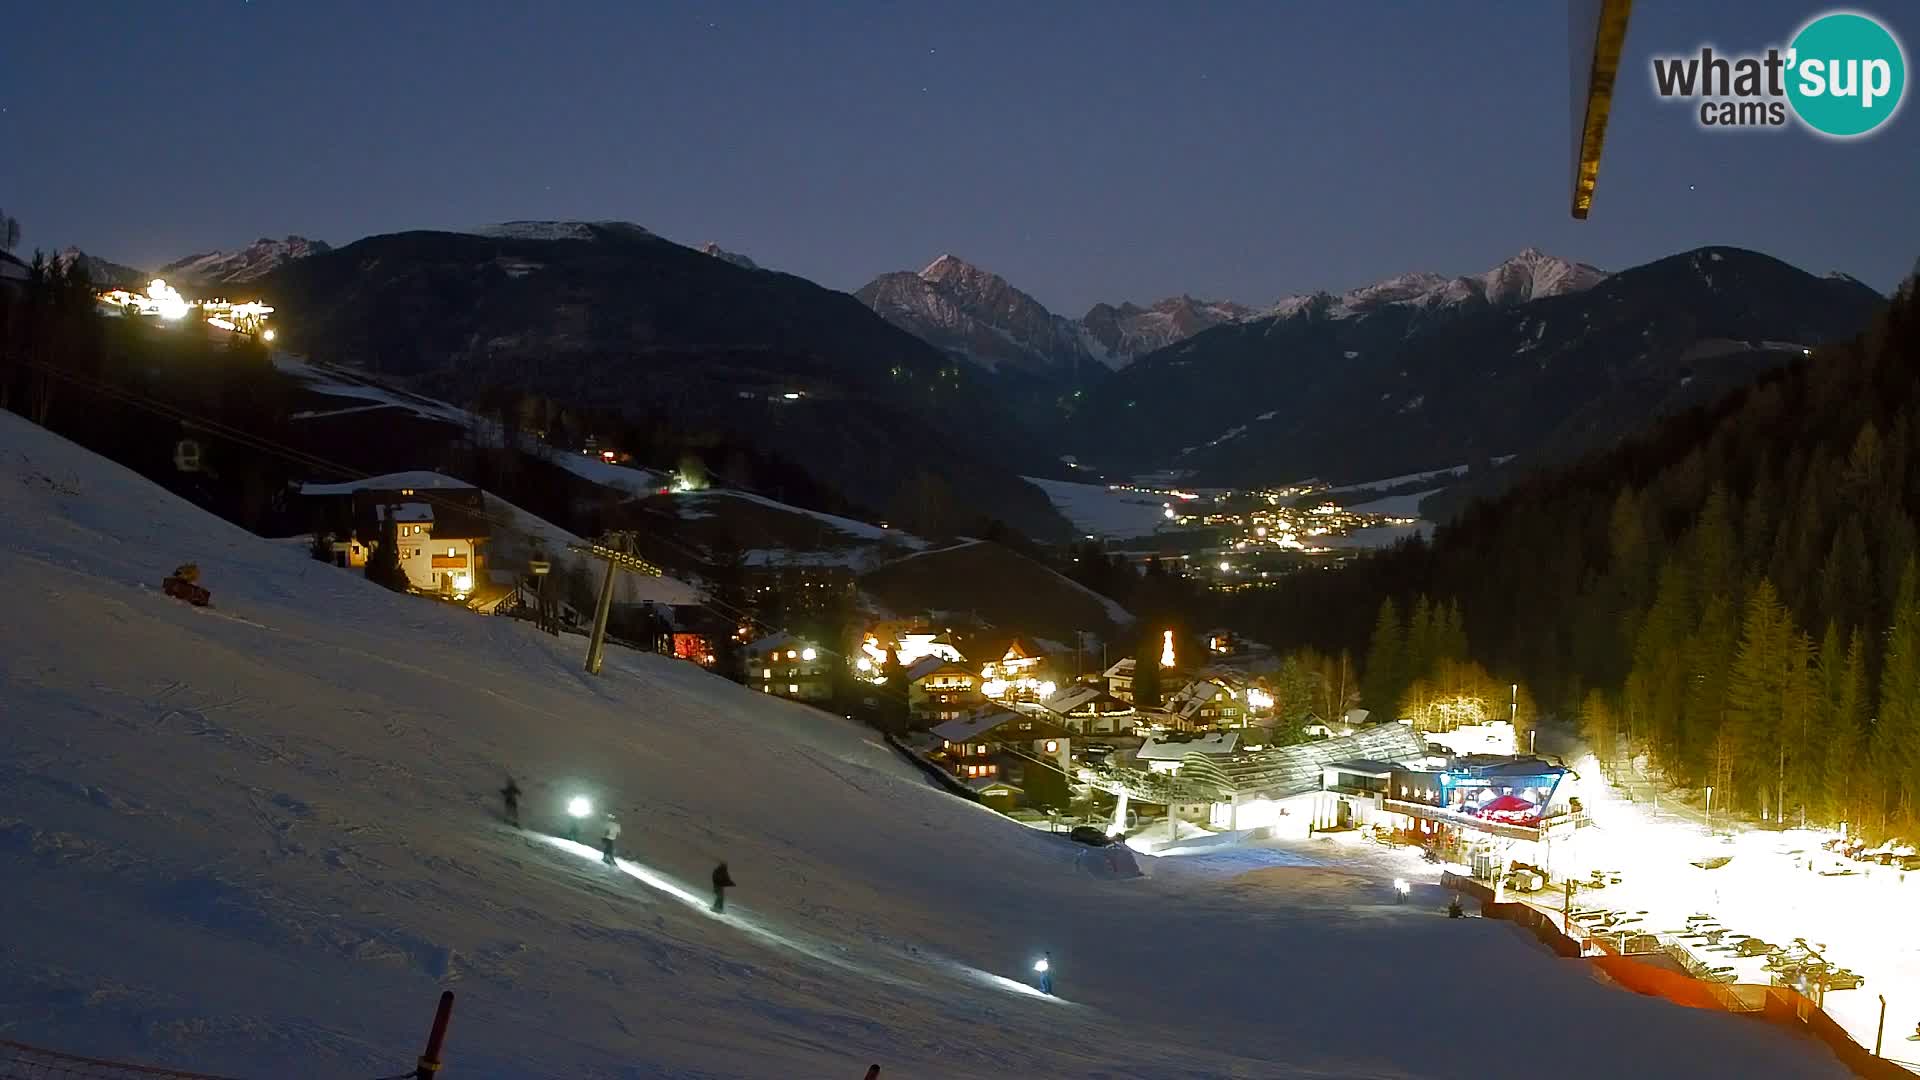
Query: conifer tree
[
  {"x": 1420, "y": 655},
  {"x": 1384, "y": 676},
  {"x": 1146, "y": 673},
  {"x": 383, "y": 566},
  {"x": 1897, "y": 734}
]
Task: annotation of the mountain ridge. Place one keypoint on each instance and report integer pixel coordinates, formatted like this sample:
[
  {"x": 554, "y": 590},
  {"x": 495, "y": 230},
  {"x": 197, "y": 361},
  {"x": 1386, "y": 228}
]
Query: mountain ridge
[
  {"x": 1394, "y": 384},
  {"x": 975, "y": 313}
]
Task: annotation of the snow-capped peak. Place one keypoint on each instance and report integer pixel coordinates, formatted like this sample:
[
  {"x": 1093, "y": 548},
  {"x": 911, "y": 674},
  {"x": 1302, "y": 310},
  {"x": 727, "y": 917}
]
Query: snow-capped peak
[
  {"x": 724, "y": 255},
  {"x": 254, "y": 261},
  {"x": 952, "y": 269},
  {"x": 1530, "y": 275}
]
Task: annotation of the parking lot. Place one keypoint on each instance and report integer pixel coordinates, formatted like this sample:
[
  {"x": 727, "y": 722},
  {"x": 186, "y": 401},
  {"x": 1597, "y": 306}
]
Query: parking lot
[{"x": 1752, "y": 906}]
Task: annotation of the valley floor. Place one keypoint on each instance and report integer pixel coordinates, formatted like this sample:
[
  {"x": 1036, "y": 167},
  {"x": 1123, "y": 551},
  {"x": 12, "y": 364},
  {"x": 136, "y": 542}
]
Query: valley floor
[{"x": 260, "y": 838}]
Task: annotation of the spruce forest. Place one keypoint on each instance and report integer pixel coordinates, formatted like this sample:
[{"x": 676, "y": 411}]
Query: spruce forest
[{"x": 1734, "y": 595}]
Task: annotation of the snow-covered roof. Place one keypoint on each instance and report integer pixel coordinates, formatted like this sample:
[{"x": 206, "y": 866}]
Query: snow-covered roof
[
  {"x": 931, "y": 665},
  {"x": 1074, "y": 698},
  {"x": 784, "y": 640},
  {"x": 985, "y": 784},
  {"x": 1219, "y": 742},
  {"x": 972, "y": 727},
  {"x": 1190, "y": 698},
  {"x": 1121, "y": 669}
]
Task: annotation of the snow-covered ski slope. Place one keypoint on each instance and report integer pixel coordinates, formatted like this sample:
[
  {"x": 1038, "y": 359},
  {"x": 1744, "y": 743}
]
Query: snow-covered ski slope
[{"x": 258, "y": 839}]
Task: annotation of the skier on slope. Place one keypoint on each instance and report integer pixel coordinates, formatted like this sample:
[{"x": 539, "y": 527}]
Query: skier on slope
[
  {"x": 722, "y": 881},
  {"x": 510, "y": 796},
  {"x": 607, "y": 837}
]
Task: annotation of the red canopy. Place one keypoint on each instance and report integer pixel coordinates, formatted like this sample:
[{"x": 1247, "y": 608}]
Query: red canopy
[{"x": 1505, "y": 804}]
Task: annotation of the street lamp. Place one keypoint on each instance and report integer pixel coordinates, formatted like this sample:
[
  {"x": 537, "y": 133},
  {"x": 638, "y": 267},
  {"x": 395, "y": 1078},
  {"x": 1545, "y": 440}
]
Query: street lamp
[{"x": 578, "y": 808}]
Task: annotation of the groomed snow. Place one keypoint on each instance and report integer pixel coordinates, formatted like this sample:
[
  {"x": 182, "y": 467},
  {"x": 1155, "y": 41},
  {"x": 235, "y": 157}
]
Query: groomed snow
[
  {"x": 1096, "y": 510},
  {"x": 259, "y": 839}
]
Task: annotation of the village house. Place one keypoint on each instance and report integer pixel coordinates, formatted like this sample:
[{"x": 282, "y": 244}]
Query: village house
[
  {"x": 1120, "y": 679},
  {"x": 1090, "y": 710},
  {"x": 689, "y": 632},
  {"x": 786, "y": 666},
  {"x": 1205, "y": 703},
  {"x": 1024, "y": 672},
  {"x": 1011, "y": 759},
  {"x": 939, "y": 690},
  {"x": 441, "y": 532}
]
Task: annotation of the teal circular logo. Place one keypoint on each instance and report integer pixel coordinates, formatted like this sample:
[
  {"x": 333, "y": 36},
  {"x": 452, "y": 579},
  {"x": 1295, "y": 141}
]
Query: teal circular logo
[{"x": 1846, "y": 74}]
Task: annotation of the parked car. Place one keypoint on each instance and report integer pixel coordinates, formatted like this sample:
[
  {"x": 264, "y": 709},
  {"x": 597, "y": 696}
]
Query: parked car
[
  {"x": 1090, "y": 835},
  {"x": 1753, "y": 946},
  {"x": 1844, "y": 980},
  {"x": 1908, "y": 862}
]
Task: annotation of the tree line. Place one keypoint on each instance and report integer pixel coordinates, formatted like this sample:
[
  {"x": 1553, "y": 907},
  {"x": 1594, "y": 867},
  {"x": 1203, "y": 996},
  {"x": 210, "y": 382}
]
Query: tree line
[{"x": 1733, "y": 595}]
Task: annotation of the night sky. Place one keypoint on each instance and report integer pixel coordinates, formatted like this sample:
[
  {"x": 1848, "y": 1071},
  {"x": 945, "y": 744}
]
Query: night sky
[{"x": 1087, "y": 151}]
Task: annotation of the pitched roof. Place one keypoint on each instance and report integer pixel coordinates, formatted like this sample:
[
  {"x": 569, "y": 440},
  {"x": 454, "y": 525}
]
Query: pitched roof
[
  {"x": 968, "y": 728},
  {"x": 784, "y": 640},
  {"x": 985, "y": 784},
  {"x": 1074, "y": 698},
  {"x": 934, "y": 665},
  {"x": 1190, "y": 698},
  {"x": 1121, "y": 669},
  {"x": 1220, "y": 742}
]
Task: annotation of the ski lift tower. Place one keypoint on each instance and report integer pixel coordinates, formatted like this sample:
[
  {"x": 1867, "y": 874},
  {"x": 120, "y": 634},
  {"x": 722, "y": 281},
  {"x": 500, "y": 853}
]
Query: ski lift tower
[
  {"x": 1596, "y": 35},
  {"x": 616, "y": 549}
]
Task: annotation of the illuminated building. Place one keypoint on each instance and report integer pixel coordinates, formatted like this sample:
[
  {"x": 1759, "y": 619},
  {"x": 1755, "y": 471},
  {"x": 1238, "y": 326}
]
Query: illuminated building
[{"x": 788, "y": 666}]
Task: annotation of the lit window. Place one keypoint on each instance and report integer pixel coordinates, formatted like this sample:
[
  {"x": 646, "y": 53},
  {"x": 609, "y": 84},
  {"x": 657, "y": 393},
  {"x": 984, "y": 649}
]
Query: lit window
[
  {"x": 766, "y": 673},
  {"x": 945, "y": 745},
  {"x": 793, "y": 688},
  {"x": 451, "y": 553},
  {"x": 765, "y": 689},
  {"x": 791, "y": 655},
  {"x": 807, "y": 654},
  {"x": 1052, "y": 746},
  {"x": 982, "y": 748}
]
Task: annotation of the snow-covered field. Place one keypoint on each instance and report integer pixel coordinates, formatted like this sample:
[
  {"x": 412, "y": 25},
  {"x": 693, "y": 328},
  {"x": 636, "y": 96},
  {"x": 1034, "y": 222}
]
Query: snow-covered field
[
  {"x": 1431, "y": 476},
  {"x": 260, "y": 838},
  {"x": 1097, "y": 510},
  {"x": 1395, "y": 505}
]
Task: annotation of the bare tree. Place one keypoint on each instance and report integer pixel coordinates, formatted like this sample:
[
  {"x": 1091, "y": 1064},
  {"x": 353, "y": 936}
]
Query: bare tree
[{"x": 9, "y": 232}]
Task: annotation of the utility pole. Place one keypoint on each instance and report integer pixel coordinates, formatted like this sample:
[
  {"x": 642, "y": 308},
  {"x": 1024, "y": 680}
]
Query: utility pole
[
  {"x": 1882, "y": 1028},
  {"x": 616, "y": 550}
]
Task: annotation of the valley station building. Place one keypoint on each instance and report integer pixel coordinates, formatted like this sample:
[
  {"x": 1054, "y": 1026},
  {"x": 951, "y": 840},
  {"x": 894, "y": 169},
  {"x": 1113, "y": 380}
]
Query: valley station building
[{"x": 1480, "y": 810}]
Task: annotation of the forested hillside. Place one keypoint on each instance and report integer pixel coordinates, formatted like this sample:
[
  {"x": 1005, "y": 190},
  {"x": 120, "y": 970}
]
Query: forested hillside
[{"x": 1735, "y": 593}]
